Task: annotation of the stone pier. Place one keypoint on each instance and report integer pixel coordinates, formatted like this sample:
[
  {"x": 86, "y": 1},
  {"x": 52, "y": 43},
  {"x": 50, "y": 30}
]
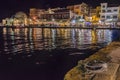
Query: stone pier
[{"x": 109, "y": 74}]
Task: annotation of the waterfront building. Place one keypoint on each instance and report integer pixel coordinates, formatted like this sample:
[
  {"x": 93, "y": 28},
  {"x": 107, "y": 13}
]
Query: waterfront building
[
  {"x": 3, "y": 22},
  {"x": 57, "y": 16},
  {"x": 79, "y": 15},
  {"x": 82, "y": 10},
  {"x": 19, "y": 19},
  {"x": 94, "y": 15},
  {"x": 110, "y": 13},
  {"x": 34, "y": 15}
]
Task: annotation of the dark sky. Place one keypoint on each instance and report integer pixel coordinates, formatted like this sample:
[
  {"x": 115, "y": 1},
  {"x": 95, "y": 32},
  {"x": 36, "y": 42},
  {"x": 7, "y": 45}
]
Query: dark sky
[{"x": 10, "y": 7}]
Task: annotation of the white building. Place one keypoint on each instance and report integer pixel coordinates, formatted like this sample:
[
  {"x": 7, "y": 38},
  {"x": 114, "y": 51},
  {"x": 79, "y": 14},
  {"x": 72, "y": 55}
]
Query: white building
[{"x": 109, "y": 13}]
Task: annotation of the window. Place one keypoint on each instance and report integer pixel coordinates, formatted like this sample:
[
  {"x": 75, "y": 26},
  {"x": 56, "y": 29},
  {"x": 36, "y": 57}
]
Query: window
[
  {"x": 114, "y": 17},
  {"x": 103, "y": 11},
  {"x": 103, "y": 16},
  {"x": 108, "y": 10},
  {"x": 103, "y": 6},
  {"x": 115, "y": 10},
  {"x": 108, "y": 17}
]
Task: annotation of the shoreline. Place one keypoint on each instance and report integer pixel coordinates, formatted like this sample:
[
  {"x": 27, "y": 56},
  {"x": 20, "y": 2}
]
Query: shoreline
[
  {"x": 64, "y": 27},
  {"x": 109, "y": 55}
]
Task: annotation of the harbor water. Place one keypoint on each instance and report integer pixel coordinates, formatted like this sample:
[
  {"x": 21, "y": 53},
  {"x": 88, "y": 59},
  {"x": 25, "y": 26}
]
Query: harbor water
[{"x": 48, "y": 53}]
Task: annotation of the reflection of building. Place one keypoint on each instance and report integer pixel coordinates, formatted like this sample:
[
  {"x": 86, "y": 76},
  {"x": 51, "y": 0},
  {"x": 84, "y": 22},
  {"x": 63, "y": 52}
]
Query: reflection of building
[
  {"x": 109, "y": 13},
  {"x": 94, "y": 36}
]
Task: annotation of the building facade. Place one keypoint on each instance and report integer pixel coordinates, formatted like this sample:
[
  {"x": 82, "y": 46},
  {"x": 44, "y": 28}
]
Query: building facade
[
  {"x": 52, "y": 16},
  {"x": 19, "y": 19},
  {"x": 109, "y": 13},
  {"x": 94, "y": 15},
  {"x": 58, "y": 14},
  {"x": 36, "y": 13},
  {"x": 81, "y": 9}
]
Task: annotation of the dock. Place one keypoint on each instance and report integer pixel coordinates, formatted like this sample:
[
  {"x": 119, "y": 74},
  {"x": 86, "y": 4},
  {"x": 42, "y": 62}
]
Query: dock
[{"x": 66, "y": 27}]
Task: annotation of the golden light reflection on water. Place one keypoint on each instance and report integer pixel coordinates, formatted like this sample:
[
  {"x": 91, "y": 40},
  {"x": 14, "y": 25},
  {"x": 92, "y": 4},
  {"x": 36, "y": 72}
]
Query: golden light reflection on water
[
  {"x": 30, "y": 39},
  {"x": 94, "y": 36}
]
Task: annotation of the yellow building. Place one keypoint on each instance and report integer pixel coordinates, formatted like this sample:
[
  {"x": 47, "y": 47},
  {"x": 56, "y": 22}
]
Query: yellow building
[{"x": 95, "y": 15}]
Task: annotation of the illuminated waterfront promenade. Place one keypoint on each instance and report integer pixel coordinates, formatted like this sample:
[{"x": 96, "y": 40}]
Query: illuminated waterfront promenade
[{"x": 64, "y": 27}]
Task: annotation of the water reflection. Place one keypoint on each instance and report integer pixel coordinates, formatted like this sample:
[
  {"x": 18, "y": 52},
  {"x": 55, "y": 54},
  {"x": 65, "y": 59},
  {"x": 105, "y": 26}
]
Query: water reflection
[
  {"x": 116, "y": 35},
  {"x": 45, "y": 50},
  {"x": 30, "y": 39}
]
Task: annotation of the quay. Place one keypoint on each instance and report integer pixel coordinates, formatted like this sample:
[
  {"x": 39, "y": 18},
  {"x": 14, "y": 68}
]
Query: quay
[
  {"x": 66, "y": 27},
  {"x": 110, "y": 72}
]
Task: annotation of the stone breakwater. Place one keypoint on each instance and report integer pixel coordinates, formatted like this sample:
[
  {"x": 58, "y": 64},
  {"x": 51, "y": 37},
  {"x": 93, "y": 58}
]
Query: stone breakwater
[{"x": 110, "y": 55}]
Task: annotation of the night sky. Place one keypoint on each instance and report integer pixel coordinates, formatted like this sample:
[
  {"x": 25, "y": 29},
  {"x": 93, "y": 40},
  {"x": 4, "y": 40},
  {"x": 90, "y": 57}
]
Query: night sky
[{"x": 10, "y": 7}]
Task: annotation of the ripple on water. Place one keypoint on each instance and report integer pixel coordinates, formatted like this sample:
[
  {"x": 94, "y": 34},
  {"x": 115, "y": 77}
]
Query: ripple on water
[
  {"x": 78, "y": 53},
  {"x": 10, "y": 58}
]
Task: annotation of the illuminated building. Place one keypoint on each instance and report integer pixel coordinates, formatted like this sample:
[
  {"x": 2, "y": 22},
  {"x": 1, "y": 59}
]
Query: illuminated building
[
  {"x": 82, "y": 13},
  {"x": 94, "y": 15},
  {"x": 78, "y": 15},
  {"x": 19, "y": 19},
  {"x": 36, "y": 13},
  {"x": 80, "y": 9},
  {"x": 60, "y": 14},
  {"x": 52, "y": 16},
  {"x": 109, "y": 13},
  {"x": 4, "y": 22},
  {"x": 33, "y": 12}
]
